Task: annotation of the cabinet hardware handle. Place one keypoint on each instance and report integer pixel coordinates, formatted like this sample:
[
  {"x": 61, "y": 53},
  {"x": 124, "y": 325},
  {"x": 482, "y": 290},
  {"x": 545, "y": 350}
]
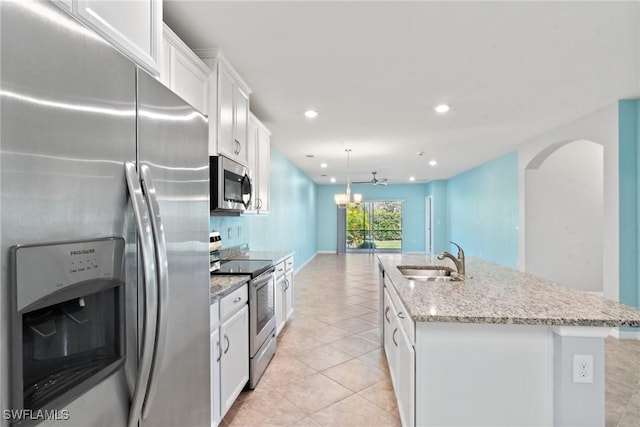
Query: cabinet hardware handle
[
  {"x": 393, "y": 336},
  {"x": 286, "y": 282},
  {"x": 219, "y": 351},
  {"x": 237, "y": 300},
  {"x": 226, "y": 338},
  {"x": 259, "y": 203},
  {"x": 401, "y": 315},
  {"x": 386, "y": 314}
]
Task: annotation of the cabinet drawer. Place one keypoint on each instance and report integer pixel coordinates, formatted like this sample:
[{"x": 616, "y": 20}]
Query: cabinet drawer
[
  {"x": 280, "y": 268},
  {"x": 289, "y": 263},
  {"x": 214, "y": 316},
  {"x": 233, "y": 302}
]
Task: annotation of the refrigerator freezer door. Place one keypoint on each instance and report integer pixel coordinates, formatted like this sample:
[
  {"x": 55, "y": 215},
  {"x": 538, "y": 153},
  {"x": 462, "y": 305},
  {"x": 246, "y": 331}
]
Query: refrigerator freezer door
[
  {"x": 67, "y": 124},
  {"x": 172, "y": 143}
]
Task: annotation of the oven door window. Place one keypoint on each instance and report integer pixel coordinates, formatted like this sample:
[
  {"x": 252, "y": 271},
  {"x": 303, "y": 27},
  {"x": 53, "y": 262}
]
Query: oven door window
[
  {"x": 237, "y": 188},
  {"x": 265, "y": 309}
]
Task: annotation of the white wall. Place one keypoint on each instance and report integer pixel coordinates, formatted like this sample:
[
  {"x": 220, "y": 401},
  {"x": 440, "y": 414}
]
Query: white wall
[
  {"x": 564, "y": 216},
  {"x": 601, "y": 127}
]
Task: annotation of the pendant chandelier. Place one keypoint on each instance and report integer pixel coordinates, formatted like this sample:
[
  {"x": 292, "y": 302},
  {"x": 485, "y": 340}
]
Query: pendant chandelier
[{"x": 343, "y": 200}]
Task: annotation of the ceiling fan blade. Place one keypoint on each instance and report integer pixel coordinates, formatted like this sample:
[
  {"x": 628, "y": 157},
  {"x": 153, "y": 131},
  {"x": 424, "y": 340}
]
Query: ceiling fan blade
[
  {"x": 383, "y": 183},
  {"x": 383, "y": 179}
]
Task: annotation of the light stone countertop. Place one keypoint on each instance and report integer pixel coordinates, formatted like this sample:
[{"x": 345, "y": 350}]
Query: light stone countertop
[
  {"x": 496, "y": 294},
  {"x": 221, "y": 285}
]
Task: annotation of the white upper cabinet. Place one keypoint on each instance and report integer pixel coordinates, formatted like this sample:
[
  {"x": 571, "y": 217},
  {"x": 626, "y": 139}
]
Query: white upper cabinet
[
  {"x": 183, "y": 72},
  {"x": 135, "y": 27},
  {"x": 228, "y": 108},
  {"x": 259, "y": 161}
]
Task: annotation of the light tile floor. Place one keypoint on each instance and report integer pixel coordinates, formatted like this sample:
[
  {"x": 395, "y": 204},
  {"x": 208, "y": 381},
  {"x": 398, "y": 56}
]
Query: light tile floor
[{"x": 329, "y": 369}]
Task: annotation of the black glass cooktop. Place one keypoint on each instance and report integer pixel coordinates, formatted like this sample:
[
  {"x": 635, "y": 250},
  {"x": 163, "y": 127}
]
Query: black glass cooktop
[{"x": 244, "y": 266}]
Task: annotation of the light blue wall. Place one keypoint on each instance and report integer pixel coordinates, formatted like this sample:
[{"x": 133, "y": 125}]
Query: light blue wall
[
  {"x": 628, "y": 140},
  {"x": 290, "y": 225},
  {"x": 413, "y": 218},
  {"x": 482, "y": 210}
]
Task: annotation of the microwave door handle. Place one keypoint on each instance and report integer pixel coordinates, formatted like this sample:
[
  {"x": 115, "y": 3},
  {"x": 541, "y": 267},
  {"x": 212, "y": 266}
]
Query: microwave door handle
[
  {"x": 246, "y": 179},
  {"x": 149, "y": 191},
  {"x": 143, "y": 223}
]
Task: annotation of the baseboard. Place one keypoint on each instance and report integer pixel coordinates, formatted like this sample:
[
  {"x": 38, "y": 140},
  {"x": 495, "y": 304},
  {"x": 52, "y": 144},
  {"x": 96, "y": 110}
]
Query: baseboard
[
  {"x": 300, "y": 267},
  {"x": 326, "y": 252},
  {"x": 625, "y": 335}
]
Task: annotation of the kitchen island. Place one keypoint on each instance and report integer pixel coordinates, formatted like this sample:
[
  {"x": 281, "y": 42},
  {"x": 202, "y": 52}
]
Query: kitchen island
[{"x": 495, "y": 349}]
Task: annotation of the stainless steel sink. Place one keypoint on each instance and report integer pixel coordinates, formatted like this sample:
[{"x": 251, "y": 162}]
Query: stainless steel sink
[{"x": 428, "y": 273}]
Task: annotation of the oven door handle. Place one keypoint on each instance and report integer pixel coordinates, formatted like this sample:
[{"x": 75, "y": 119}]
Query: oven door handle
[
  {"x": 263, "y": 278},
  {"x": 149, "y": 191},
  {"x": 143, "y": 223}
]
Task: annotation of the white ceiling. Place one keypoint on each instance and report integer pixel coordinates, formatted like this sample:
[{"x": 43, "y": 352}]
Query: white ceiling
[{"x": 374, "y": 70}]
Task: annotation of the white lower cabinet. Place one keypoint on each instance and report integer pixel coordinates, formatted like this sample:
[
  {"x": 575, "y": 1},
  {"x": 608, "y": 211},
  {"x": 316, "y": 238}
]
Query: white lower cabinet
[
  {"x": 229, "y": 351},
  {"x": 398, "y": 344},
  {"x": 234, "y": 362},
  {"x": 284, "y": 292},
  {"x": 405, "y": 378},
  {"x": 288, "y": 294}
]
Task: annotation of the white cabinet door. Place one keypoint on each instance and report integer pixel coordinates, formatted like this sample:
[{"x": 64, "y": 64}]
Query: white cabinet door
[
  {"x": 281, "y": 314},
  {"x": 405, "y": 378},
  {"x": 183, "y": 72},
  {"x": 390, "y": 336},
  {"x": 288, "y": 295},
  {"x": 234, "y": 363},
  {"x": 240, "y": 125},
  {"x": 133, "y": 26},
  {"x": 264, "y": 170},
  {"x": 215, "y": 377},
  {"x": 226, "y": 91}
]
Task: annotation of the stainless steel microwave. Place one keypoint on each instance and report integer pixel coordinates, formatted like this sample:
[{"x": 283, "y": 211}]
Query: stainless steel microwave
[{"x": 230, "y": 184}]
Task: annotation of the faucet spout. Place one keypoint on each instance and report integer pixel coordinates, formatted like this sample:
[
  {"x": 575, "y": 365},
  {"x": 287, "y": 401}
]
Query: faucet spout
[{"x": 458, "y": 261}]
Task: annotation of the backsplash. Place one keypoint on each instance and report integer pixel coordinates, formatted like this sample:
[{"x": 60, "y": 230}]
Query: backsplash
[{"x": 234, "y": 230}]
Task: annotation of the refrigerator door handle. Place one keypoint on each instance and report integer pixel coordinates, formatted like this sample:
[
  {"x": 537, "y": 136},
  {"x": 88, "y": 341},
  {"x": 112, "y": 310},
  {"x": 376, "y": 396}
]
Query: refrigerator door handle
[
  {"x": 143, "y": 223},
  {"x": 163, "y": 284}
]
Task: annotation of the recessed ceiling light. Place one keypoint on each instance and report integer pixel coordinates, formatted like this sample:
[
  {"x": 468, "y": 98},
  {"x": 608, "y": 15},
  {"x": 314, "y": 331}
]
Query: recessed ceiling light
[
  {"x": 333, "y": 179},
  {"x": 323, "y": 165},
  {"x": 310, "y": 156},
  {"x": 420, "y": 153},
  {"x": 311, "y": 114},
  {"x": 442, "y": 108},
  {"x": 432, "y": 162},
  {"x": 412, "y": 178}
]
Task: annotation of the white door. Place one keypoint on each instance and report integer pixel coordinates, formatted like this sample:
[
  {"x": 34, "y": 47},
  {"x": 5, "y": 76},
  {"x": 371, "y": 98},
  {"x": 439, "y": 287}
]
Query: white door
[{"x": 428, "y": 226}]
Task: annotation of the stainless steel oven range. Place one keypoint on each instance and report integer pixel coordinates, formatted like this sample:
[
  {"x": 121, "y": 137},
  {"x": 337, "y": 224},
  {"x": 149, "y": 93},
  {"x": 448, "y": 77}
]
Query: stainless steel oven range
[{"x": 262, "y": 315}]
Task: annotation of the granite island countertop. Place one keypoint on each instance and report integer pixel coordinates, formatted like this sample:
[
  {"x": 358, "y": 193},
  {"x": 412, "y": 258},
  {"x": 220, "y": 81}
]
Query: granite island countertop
[
  {"x": 223, "y": 284},
  {"x": 496, "y": 294}
]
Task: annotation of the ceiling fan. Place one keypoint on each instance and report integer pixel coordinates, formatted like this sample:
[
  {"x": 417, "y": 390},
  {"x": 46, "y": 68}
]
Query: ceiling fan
[{"x": 374, "y": 180}]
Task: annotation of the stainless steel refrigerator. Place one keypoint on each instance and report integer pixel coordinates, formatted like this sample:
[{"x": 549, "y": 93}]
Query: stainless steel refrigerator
[{"x": 75, "y": 115}]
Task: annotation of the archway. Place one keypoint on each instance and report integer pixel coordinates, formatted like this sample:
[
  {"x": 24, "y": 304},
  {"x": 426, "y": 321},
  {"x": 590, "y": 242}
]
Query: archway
[{"x": 564, "y": 214}]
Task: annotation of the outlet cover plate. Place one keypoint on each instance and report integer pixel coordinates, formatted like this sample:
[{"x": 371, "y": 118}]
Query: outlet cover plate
[{"x": 583, "y": 368}]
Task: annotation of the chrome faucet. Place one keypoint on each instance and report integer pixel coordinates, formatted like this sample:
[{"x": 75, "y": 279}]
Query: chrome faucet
[{"x": 459, "y": 261}]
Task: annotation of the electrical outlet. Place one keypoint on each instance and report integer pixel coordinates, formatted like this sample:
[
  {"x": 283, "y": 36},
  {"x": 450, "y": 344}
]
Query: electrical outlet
[
  {"x": 583, "y": 368},
  {"x": 239, "y": 230},
  {"x": 229, "y": 233}
]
